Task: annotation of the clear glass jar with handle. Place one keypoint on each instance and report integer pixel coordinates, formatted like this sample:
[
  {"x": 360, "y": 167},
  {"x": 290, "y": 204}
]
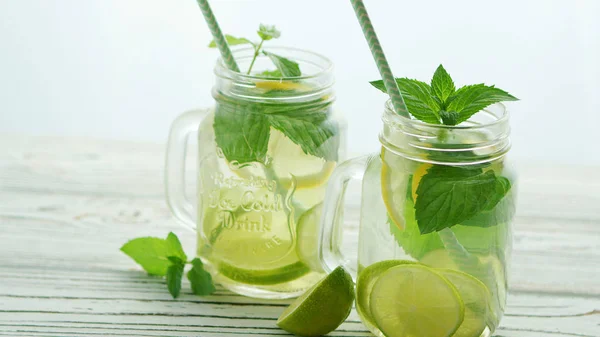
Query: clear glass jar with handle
[
  {"x": 436, "y": 211},
  {"x": 265, "y": 153}
]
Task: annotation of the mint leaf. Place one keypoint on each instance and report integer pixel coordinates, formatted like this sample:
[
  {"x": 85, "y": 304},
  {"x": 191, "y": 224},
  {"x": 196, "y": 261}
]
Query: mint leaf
[
  {"x": 312, "y": 130},
  {"x": 287, "y": 67},
  {"x": 174, "y": 275},
  {"x": 471, "y": 99},
  {"x": 150, "y": 253},
  {"x": 442, "y": 85},
  {"x": 449, "y": 117},
  {"x": 500, "y": 208},
  {"x": 232, "y": 41},
  {"x": 267, "y": 32},
  {"x": 241, "y": 132},
  {"x": 418, "y": 97},
  {"x": 200, "y": 279},
  {"x": 174, "y": 247},
  {"x": 448, "y": 195},
  {"x": 410, "y": 239},
  {"x": 271, "y": 73}
]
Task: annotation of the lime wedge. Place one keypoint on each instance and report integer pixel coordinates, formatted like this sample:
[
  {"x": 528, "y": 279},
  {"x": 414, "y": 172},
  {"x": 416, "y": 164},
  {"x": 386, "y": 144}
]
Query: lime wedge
[
  {"x": 365, "y": 282},
  {"x": 476, "y": 298},
  {"x": 414, "y": 300},
  {"x": 322, "y": 308},
  {"x": 307, "y": 235}
]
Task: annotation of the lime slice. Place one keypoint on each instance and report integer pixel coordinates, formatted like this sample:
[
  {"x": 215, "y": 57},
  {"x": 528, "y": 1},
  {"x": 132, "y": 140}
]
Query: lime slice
[
  {"x": 322, "y": 308},
  {"x": 266, "y": 276},
  {"x": 307, "y": 235},
  {"x": 365, "y": 282},
  {"x": 438, "y": 258},
  {"x": 476, "y": 298},
  {"x": 413, "y": 300}
]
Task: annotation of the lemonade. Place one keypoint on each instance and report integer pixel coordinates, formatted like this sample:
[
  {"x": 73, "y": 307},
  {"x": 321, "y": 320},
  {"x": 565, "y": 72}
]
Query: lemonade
[{"x": 261, "y": 185}]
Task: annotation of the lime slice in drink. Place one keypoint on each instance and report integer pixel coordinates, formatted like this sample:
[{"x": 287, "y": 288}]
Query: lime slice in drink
[
  {"x": 476, "y": 298},
  {"x": 365, "y": 282},
  {"x": 322, "y": 308},
  {"x": 307, "y": 236},
  {"x": 414, "y": 300},
  {"x": 264, "y": 276}
]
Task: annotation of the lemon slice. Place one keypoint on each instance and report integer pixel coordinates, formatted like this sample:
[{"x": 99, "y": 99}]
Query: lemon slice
[
  {"x": 414, "y": 300},
  {"x": 365, "y": 282},
  {"x": 322, "y": 308},
  {"x": 281, "y": 85},
  {"x": 476, "y": 298},
  {"x": 393, "y": 187}
]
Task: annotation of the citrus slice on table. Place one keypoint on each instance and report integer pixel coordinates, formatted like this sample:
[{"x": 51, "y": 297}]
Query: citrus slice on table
[
  {"x": 365, "y": 282},
  {"x": 322, "y": 308},
  {"x": 476, "y": 298},
  {"x": 414, "y": 300}
]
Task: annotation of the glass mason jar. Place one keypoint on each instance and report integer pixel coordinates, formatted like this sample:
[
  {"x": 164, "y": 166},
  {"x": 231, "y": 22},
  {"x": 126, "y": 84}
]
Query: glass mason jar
[
  {"x": 265, "y": 153},
  {"x": 440, "y": 196}
]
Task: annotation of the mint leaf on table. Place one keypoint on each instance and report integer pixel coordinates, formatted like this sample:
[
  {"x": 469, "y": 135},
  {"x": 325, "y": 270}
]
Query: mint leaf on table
[
  {"x": 174, "y": 247},
  {"x": 313, "y": 131},
  {"x": 448, "y": 195},
  {"x": 241, "y": 133},
  {"x": 418, "y": 98},
  {"x": 232, "y": 41},
  {"x": 150, "y": 253},
  {"x": 200, "y": 279},
  {"x": 471, "y": 99},
  {"x": 268, "y": 32},
  {"x": 174, "y": 275},
  {"x": 287, "y": 67},
  {"x": 441, "y": 84}
]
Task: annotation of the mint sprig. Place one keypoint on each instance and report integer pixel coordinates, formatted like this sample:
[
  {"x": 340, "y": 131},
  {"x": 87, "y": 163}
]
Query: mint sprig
[
  {"x": 165, "y": 257},
  {"x": 440, "y": 102},
  {"x": 285, "y": 67}
]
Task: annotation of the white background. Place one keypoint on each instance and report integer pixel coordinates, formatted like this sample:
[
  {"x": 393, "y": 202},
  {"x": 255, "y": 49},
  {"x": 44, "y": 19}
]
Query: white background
[{"x": 124, "y": 69}]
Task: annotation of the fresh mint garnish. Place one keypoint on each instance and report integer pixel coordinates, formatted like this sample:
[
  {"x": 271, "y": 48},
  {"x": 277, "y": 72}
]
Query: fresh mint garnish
[
  {"x": 232, "y": 41},
  {"x": 165, "y": 257},
  {"x": 268, "y": 32},
  {"x": 450, "y": 195},
  {"x": 174, "y": 275},
  {"x": 441, "y": 103},
  {"x": 286, "y": 67},
  {"x": 200, "y": 279},
  {"x": 271, "y": 73},
  {"x": 242, "y": 131}
]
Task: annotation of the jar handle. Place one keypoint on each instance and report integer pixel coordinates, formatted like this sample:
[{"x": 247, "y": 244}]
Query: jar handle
[
  {"x": 182, "y": 128},
  {"x": 331, "y": 219}
]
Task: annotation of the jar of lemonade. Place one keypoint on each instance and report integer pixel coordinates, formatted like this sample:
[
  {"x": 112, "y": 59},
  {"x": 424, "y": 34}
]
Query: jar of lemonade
[
  {"x": 435, "y": 226},
  {"x": 265, "y": 153}
]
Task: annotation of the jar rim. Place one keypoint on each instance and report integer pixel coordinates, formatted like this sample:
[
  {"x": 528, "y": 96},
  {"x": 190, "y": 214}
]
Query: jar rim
[
  {"x": 222, "y": 70},
  {"x": 391, "y": 117}
]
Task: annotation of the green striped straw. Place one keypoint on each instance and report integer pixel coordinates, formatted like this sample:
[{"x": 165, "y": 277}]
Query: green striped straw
[
  {"x": 382, "y": 64},
  {"x": 465, "y": 260},
  {"x": 218, "y": 36}
]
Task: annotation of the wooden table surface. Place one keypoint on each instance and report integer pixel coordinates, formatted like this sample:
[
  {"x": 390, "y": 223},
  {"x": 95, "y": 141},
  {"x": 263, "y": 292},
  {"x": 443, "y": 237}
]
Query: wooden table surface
[{"x": 68, "y": 204}]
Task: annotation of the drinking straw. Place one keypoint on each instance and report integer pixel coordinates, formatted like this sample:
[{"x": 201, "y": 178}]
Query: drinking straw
[
  {"x": 457, "y": 252},
  {"x": 382, "y": 64},
  {"x": 220, "y": 41}
]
